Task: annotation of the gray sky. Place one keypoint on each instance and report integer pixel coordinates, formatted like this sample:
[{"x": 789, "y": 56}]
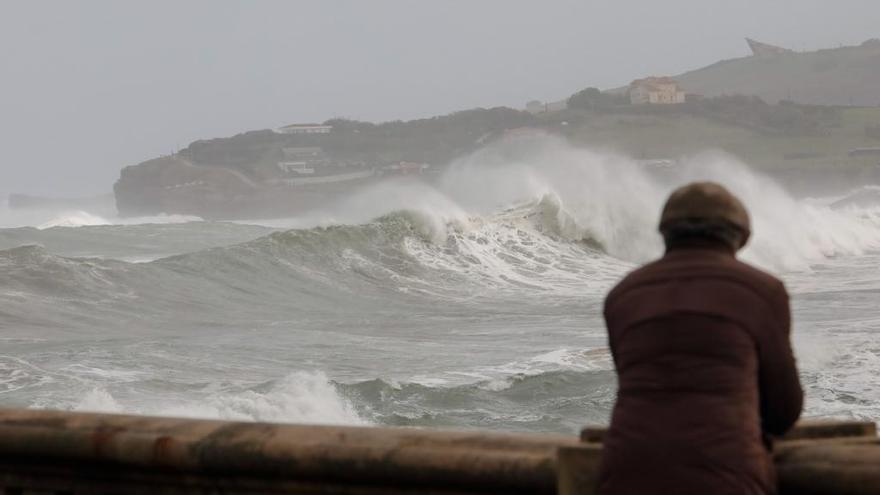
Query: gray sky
[{"x": 87, "y": 87}]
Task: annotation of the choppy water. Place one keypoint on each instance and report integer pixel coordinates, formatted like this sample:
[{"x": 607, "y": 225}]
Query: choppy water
[{"x": 475, "y": 303}]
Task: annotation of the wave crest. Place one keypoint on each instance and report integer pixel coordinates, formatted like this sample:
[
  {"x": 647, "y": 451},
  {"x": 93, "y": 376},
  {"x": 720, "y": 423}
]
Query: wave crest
[{"x": 300, "y": 397}]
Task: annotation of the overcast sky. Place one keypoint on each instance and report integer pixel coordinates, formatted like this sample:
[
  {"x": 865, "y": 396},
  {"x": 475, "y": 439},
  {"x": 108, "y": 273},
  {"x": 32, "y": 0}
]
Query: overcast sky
[{"x": 88, "y": 87}]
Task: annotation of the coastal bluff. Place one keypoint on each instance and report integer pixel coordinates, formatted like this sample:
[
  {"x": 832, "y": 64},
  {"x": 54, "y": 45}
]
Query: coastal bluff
[{"x": 282, "y": 172}]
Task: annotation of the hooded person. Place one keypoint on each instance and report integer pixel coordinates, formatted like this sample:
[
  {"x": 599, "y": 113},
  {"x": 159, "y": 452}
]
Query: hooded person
[{"x": 706, "y": 374}]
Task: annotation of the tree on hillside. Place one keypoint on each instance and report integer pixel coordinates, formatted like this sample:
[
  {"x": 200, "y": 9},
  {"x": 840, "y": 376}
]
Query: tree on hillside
[
  {"x": 592, "y": 98},
  {"x": 786, "y": 117}
]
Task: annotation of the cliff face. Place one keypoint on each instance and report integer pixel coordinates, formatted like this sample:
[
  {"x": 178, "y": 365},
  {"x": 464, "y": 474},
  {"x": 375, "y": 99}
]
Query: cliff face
[{"x": 172, "y": 184}]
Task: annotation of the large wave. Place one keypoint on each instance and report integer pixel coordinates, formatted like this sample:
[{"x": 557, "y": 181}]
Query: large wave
[
  {"x": 613, "y": 203},
  {"x": 517, "y": 243},
  {"x": 548, "y": 218}
]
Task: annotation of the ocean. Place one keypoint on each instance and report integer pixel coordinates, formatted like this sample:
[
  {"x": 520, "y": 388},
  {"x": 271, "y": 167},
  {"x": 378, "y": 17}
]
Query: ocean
[{"x": 470, "y": 303}]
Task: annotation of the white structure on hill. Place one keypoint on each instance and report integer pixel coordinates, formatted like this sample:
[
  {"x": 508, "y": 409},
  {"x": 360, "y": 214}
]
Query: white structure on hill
[
  {"x": 655, "y": 91},
  {"x": 535, "y": 106},
  {"x": 305, "y": 129},
  {"x": 763, "y": 49}
]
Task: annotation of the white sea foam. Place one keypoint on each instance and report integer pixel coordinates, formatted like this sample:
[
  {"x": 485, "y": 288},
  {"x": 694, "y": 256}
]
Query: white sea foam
[
  {"x": 580, "y": 360},
  {"x": 582, "y": 195},
  {"x": 86, "y": 219},
  {"x": 74, "y": 219},
  {"x": 555, "y": 221},
  {"x": 613, "y": 202},
  {"x": 512, "y": 251},
  {"x": 45, "y": 218},
  {"x": 839, "y": 365},
  {"x": 788, "y": 234},
  {"x": 301, "y": 397},
  {"x": 502, "y": 377},
  {"x": 98, "y": 400}
]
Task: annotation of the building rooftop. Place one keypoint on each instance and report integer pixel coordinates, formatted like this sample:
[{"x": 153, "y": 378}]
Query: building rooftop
[
  {"x": 293, "y": 126},
  {"x": 653, "y": 83}
]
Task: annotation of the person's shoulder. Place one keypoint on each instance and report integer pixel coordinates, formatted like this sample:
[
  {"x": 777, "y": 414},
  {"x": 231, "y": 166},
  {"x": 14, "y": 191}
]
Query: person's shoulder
[
  {"x": 634, "y": 278},
  {"x": 732, "y": 269},
  {"x": 756, "y": 276},
  {"x": 765, "y": 287}
]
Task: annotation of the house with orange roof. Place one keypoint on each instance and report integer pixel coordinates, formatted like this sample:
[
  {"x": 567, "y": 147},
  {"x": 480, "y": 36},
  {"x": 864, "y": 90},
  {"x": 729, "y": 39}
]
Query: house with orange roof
[{"x": 656, "y": 91}]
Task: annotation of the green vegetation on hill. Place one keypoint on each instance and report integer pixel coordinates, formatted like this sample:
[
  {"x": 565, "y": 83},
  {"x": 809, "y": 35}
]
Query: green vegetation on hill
[
  {"x": 784, "y": 134},
  {"x": 839, "y": 76},
  {"x": 670, "y": 133},
  {"x": 594, "y": 99},
  {"x": 435, "y": 140},
  {"x": 766, "y": 135},
  {"x": 785, "y": 118}
]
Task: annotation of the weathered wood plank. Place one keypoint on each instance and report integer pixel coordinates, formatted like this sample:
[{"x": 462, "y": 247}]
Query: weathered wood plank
[
  {"x": 576, "y": 469},
  {"x": 825, "y": 468},
  {"x": 805, "y": 429},
  {"x": 74, "y": 454},
  {"x": 357, "y": 457}
]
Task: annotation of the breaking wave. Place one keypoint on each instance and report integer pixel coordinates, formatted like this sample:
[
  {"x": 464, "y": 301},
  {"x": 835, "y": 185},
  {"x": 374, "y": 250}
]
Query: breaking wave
[
  {"x": 535, "y": 233},
  {"x": 301, "y": 397},
  {"x": 558, "y": 220}
]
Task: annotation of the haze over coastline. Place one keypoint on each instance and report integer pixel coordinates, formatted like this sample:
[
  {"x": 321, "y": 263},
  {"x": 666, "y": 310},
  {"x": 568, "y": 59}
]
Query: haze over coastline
[
  {"x": 273, "y": 251},
  {"x": 411, "y": 304},
  {"x": 92, "y": 86}
]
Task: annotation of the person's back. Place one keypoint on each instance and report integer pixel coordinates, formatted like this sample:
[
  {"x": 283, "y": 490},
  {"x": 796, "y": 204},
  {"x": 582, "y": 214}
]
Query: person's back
[{"x": 700, "y": 344}]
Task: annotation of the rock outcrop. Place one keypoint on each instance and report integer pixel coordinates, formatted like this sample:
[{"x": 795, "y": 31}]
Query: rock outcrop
[{"x": 172, "y": 184}]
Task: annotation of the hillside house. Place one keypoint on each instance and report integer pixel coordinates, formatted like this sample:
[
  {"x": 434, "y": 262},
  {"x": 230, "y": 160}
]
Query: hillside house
[
  {"x": 302, "y": 160},
  {"x": 656, "y": 91}
]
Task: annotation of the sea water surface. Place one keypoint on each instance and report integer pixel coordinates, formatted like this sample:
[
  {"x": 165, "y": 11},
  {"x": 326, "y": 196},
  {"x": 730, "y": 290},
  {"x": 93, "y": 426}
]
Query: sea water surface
[{"x": 472, "y": 303}]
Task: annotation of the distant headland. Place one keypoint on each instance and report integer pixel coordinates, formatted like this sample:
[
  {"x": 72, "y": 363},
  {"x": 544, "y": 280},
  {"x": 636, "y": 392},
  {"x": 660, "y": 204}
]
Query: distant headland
[{"x": 780, "y": 110}]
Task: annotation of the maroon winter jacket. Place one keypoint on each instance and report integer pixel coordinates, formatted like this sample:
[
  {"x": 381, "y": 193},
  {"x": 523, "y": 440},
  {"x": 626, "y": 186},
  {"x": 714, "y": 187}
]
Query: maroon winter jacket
[{"x": 701, "y": 347}]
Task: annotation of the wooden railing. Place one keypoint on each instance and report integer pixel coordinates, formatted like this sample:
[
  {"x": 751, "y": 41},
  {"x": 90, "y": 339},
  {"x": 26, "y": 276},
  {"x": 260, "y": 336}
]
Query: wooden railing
[
  {"x": 814, "y": 458},
  {"x": 45, "y": 452}
]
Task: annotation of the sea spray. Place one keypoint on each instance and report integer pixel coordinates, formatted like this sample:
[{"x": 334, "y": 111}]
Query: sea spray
[
  {"x": 472, "y": 302},
  {"x": 300, "y": 397}
]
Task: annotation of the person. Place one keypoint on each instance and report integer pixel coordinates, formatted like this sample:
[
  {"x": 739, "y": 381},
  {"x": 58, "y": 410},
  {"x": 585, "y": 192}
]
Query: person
[{"x": 706, "y": 374}]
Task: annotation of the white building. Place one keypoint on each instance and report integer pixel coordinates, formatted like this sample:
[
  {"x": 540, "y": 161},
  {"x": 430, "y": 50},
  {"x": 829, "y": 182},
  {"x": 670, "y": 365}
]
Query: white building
[
  {"x": 656, "y": 91},
  {"x": 305, "y": 129},
  {"x": 535, "y": 106},
  {"x": 301, "y": 168}
]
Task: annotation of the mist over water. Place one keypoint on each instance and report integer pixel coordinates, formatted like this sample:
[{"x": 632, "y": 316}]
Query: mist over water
[{"x": 474, "y": 302}]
